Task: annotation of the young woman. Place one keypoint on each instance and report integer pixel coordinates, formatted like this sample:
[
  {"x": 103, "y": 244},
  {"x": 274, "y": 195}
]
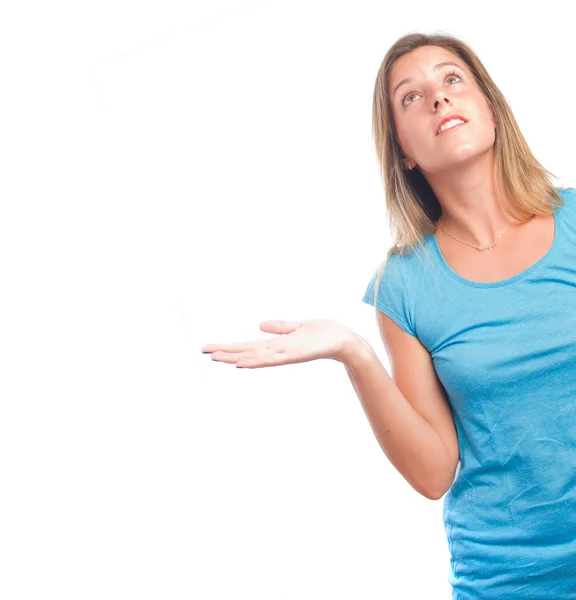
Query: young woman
[{"x": 476, "y": 305}]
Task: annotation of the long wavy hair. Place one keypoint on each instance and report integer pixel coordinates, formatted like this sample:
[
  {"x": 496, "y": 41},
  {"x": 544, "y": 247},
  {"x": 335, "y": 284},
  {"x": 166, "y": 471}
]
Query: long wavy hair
[{"x": 521, "y": 183}]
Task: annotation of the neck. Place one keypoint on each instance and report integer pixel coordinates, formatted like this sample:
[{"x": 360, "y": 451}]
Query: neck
[{"x": 470, "y": 208}]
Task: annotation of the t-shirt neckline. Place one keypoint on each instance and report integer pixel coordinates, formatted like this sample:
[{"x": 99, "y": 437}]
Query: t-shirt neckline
[{"x": 508, "y": 280}]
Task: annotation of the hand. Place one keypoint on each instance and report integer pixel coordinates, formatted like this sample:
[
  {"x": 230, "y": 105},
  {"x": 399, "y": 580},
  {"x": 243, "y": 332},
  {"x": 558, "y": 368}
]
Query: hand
[{"x": 299, "y": 341}]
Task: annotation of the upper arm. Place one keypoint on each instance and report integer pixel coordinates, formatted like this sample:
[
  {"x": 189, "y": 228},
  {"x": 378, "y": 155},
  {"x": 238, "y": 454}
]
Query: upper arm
[{"x": 414, "y": 374}]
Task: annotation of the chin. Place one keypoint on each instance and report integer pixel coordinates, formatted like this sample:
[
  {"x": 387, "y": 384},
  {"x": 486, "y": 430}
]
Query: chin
[{"x": 468, "y": 154}]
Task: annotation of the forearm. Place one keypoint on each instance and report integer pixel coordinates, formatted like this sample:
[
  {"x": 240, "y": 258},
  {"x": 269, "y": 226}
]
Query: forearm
[{"x": 408, "y": 440}]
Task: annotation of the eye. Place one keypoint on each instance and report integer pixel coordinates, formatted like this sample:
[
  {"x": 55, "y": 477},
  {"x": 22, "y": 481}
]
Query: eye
[
  {"x": 454, "y": 74},
  {"x": 406, "y": 97},
  {"x": 451, "y": 74}
]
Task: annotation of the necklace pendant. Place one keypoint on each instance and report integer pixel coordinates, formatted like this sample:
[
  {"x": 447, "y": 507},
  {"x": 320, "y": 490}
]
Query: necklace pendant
[{"x": 489, "y": 246}]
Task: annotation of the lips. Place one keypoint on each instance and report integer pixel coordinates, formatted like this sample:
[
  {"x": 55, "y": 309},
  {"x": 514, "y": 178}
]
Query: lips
[{"x": 449, "y": 118}]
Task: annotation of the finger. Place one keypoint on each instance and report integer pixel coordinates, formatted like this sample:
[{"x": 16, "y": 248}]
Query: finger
[
  {"x": 234, "y": 347},
  {"x": 269, "y": 359},
  {"x": 281, "y": 327},
  {"x": 258, "y": 363},
  {"x": 275, "y": 326},
  {"x": 226, "y": 357}
]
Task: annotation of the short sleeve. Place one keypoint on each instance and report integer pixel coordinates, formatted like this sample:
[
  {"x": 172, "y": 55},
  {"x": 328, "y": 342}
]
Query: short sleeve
[
  {"x": 392, "y": 296},
  {"x": 568, "y": 195}
]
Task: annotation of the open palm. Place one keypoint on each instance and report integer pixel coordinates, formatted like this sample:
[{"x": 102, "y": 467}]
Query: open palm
[{"x": 299, "y": 341}]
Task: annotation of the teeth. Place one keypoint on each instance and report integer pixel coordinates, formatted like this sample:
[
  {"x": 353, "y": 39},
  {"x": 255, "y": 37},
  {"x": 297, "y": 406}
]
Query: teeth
[{"x": 449, "y": 124}]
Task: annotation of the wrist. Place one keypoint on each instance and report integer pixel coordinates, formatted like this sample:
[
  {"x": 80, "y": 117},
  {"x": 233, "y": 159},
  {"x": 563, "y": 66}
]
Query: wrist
[{"x": 354, "y": 350}]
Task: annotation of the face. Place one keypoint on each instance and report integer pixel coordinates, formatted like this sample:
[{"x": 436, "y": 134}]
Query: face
[{"x": 432, "y": 93}]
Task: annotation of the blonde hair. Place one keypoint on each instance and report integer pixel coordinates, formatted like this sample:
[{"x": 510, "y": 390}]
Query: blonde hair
[{"x": 521, "y": 183}]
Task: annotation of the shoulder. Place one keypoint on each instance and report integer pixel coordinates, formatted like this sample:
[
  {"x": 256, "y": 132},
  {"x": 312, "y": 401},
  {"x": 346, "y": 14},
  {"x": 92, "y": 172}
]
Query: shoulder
[
  {"x": 568, "y": 202},
  {"x": 413, "y": 263},
  {"x": 568, "y": 194}
]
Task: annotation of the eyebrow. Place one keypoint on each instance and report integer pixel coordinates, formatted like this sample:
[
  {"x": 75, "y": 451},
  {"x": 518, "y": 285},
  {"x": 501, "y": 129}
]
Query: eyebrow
[{"x": 435, "y": 68}]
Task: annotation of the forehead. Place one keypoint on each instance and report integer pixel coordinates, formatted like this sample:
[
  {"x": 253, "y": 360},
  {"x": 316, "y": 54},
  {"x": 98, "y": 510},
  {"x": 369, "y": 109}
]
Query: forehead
[{"x": 420, "y": 61}]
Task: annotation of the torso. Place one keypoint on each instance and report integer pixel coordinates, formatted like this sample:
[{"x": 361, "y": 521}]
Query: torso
[{"x": 518, "y": 249}]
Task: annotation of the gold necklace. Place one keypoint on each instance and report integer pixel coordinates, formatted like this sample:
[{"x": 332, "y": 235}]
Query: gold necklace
[
  {"x": 487, "y": 247},
  {"x": 478, "y": 247}
]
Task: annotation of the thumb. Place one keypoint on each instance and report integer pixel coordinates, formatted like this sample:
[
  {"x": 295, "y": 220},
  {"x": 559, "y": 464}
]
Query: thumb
[{"x": 281, "y": 327}]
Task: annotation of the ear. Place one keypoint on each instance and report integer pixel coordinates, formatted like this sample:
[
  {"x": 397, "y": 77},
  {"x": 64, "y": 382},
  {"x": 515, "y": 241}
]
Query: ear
[{"x": 408, "y": 163}]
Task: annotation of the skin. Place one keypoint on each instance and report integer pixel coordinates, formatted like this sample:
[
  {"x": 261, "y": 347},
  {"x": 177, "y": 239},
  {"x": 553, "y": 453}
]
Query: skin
[{"x": 458, "y": 165}]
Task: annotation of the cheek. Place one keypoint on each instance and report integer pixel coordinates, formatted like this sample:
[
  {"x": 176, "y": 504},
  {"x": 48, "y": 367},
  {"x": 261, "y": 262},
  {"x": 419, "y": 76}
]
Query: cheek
[
  {"x": 484, "y": 111},
  {"x": 400, "y": 135},
  {"x": 488, "y": 121},
  {"x": 411, "y": 134}
]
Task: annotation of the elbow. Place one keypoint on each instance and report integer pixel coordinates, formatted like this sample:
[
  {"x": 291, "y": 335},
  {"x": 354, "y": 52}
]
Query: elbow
[
  {"x": 436, "y": 495},
  {"x": 442, "y": 487},
  {"x": 430, "y": 494},
  {"x": 441, "y": 490}
]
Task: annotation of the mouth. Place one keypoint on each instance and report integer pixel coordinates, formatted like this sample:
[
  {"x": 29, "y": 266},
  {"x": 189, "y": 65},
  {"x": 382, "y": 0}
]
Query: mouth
[{"x": 449, "y": 123}]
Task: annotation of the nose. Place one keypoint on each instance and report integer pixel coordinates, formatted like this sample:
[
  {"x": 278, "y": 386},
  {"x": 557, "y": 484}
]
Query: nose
[{"x": 437, "y": 103}]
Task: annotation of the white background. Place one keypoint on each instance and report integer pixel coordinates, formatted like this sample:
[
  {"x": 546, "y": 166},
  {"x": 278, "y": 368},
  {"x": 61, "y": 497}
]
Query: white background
[{"x": 173, "y": 174}]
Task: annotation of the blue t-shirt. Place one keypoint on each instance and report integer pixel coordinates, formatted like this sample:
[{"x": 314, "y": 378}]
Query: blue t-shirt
[{"x": 505, "y": 353}]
